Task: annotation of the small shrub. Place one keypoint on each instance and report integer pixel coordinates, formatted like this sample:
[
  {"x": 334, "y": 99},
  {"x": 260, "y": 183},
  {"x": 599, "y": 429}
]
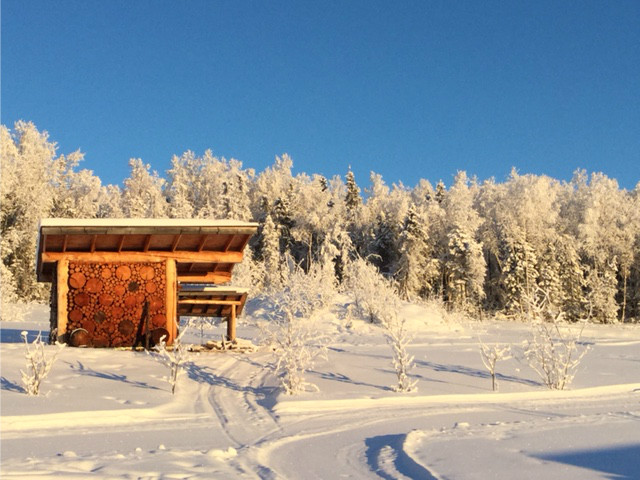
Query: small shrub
[
  {"x": 38, "y": 365},
  {"x": 173, "y": 359}
]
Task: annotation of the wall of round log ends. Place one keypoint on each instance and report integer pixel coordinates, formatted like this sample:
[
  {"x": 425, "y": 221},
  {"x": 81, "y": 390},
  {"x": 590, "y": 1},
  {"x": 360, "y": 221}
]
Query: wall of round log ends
[{"x": 116, "y": 304}]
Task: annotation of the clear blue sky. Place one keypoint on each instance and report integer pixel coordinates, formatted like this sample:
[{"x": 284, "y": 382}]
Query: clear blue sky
[{"x": 411, "y": 89}]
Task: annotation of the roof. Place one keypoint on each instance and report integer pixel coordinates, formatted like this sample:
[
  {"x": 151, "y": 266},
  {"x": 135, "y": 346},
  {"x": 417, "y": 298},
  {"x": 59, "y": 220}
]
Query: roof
[{"x": 205, "y": 250}]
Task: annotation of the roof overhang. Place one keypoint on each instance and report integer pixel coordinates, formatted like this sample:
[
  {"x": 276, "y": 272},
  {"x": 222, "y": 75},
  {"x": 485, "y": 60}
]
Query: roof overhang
[{"x": 205, "y": 250}]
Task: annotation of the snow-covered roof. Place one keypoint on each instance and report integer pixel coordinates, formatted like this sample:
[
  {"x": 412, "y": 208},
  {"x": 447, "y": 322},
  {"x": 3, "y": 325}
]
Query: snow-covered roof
[
  {"x": 195, "y": 289},
  {"x": 143, "y": 225}
]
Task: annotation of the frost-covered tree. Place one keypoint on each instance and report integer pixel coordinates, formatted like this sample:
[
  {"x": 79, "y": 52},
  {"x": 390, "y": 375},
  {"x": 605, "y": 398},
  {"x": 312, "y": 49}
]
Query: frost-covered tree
[
  {"x": 110, "y": 204},
  {"x": 270, "y": 250},
  {"x": 174, "y": 359},
  {"x": 235, "y": 191},
  {"x": 398, "y": 338},
  {"x": 605, "y": 242},
  {"x": 416, "y": 270},
  {"x": 283, "y": 218},
  {"x": 519, "y": 271},
  {"x": 553, "y": 349},
  {"x": 463, "y": 261},
  {"x": 291, "y": 327},
  {"x": 180, "y": 188},
  {"x": 143, "y": 195},
  {"x": 520, "y": 221},
  {"x": 490, "y": 355},
  {"x": 353, "y": 199},
  {"x": 27, "y": 194}
]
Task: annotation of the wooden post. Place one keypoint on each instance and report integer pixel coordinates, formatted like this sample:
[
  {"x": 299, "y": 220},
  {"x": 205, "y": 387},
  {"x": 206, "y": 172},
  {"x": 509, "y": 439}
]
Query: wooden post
[
  {"x": 231, "y": 324},
  {"x": 172, "y": 300},
  {"x": 62, "y": 279}
]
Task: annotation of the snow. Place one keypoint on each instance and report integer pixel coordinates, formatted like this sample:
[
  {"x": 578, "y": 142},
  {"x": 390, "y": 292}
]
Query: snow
[
  {"x": 110, "y": 413},
  {"x": 143, "y": 222}
]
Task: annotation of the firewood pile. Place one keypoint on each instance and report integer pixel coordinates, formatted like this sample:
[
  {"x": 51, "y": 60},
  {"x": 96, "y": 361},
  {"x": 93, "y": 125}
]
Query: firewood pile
[{"x": 116, "y": 305}]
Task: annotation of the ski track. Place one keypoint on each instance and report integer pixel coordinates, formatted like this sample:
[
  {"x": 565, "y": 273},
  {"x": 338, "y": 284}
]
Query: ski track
[
  {"x": 237, "y": 429},
  {"x": 371, "y": 444}
]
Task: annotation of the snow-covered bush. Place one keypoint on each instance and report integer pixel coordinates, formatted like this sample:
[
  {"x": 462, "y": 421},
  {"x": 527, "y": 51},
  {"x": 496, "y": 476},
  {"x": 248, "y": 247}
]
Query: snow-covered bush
[
  {"x": 291, "y": 327},
  {"x": 373, "y": 293},
  {"x": 174, "y": 359},
  {"x": 491, "y": 354},
  {"x": 553, "y": 350},
  {"x": 38, "y": 365}
]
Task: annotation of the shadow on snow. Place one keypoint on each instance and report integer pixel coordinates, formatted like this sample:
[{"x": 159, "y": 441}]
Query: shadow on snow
[
  {"x": 617, "y": 462},
  {"x": 473, "y": 372},
  {"x": 6, "y": 384},
  {"x": 265, "y": 396},
  {"x": 376, "y": 452},
  {"x": 81, "y": 369},
  {"x": 14, "y": 335}
]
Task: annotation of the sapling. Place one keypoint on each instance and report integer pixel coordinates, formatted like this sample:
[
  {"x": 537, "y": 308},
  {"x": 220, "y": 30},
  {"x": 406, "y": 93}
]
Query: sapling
[
  {"x": 291, "y": 331},
  {"x": 174, "y": 359},
  {"x": 396, "y": 334},
  {"x": 38, "y": 365},
  {"x": 377, "y": 301},
  {"x": 491, "y": 354}
]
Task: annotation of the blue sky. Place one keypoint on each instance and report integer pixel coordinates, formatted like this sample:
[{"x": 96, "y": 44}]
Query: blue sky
[{"x": 412, "y": 89}]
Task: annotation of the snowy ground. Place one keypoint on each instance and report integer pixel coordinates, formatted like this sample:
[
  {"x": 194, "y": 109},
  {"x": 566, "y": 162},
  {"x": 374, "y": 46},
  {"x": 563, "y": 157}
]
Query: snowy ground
[{"x": 110, "y": 414}]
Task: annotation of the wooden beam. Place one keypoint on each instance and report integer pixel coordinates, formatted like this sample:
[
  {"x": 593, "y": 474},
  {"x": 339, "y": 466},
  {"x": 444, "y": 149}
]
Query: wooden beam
[
  {"x": 121, "y": 243},
  {"x": 62, "y": 289},
  {"x": 150, "y": 256},
  {"x": 229, "y": 242},
  {"x": 65, "y": 239},
  {"x": 171, "y": 299},
  {"x": 176, "y": 241},
  {"x": 244, "y": 244},
  {"x": 92, "y": 248},
  {"x": 231, "y": 325},
  {"x": 203, "y": 240},
  {"x": 218, "y": 277},
  {"x": 147, "y": 242}
]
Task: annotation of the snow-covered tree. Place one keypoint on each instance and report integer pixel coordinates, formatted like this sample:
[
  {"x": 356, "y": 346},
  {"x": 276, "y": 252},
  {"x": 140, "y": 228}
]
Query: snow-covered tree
[
  {"x": 291, "y": 329},
  {"x": 353, "y": 199},
  {"x": 143, "y": 195},
  {"x": 416, "y": 270},
  {"x": 270, "y": 251},
  {"x": 490, "y": 355},
  {"x": 174, "y": 359},
  {"x": 463, "y": 261},
  {"x": 27, "y": 194},
  {"x": 180, "y": 188},
  {"x": 553, "y": 349},
  {"x": 395, "y": 330}
]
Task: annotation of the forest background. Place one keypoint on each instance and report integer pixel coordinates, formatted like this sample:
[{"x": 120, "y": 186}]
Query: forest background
[{"x": 485, "y": 248}]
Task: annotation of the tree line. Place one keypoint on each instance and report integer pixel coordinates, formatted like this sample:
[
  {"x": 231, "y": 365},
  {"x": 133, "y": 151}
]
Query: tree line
[{"x": 484, "y": 247}]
